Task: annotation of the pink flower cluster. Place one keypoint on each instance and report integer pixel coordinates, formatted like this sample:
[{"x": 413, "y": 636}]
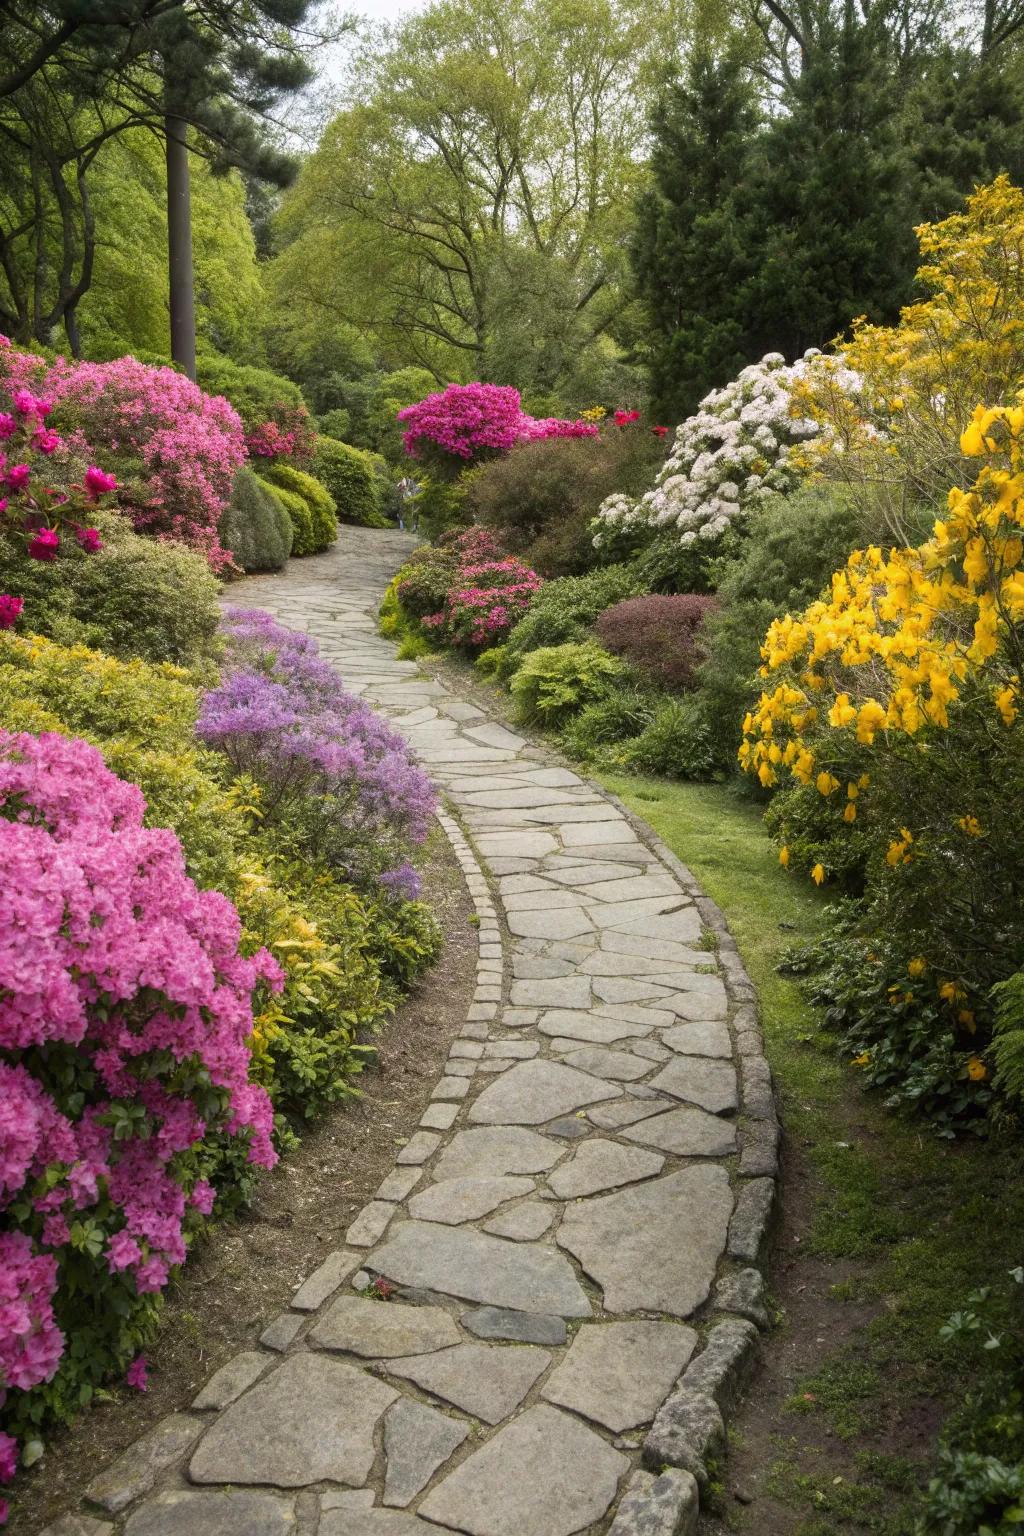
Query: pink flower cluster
[
  {"x": 467, "y": 422},
  {"x": 125, "y": 1014},
  {"x": 484, "y": 602},
  {"x": 288, "y": 434},
  {"x": 180, "y": 447}
]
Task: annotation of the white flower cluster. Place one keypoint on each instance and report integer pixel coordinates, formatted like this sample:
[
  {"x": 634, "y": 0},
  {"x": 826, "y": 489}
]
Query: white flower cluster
[{"x": 728, "y": 456}]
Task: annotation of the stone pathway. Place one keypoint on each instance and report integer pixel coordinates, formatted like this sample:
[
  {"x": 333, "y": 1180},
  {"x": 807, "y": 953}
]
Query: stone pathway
[{"x": 570, "y": 1238}]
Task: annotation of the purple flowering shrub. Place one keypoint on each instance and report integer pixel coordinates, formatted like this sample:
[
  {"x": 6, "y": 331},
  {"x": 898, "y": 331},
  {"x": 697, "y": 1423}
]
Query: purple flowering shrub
[
  {"x": 126, "y": 1009},
  {"x": 338, "y": 783}
]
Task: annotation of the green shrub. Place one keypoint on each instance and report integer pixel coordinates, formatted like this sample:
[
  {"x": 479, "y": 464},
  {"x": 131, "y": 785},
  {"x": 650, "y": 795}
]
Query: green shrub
[
  {"x": 489, "y": 663},
  {"x": 665, "y": 565},
  {"x": 440, "y": 506},
  {"x": 676, "y": 744},
  {"x": 320, "y": 529},
  {"x": 254, "y": 392},
  {"x": 565, "y": 609},
  {"x": 556, "y": 681},
  {"x": 255, "y": 525},
  {"x": 336, "y": 424},
  {"x": 661, "y": 635},
  {"x": 135, "y": 597},
  {"x": 544, "y": 495},
  {"x": 618, "y": 718},
  {"x": 300, "y": 515},
  {"x": 349, "y": 475},
  {"x": 422, "y": 585}
]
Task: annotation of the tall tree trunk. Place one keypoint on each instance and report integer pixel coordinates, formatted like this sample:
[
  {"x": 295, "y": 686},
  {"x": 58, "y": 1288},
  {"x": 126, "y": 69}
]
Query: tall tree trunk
[{"x": 179, "y": 246}]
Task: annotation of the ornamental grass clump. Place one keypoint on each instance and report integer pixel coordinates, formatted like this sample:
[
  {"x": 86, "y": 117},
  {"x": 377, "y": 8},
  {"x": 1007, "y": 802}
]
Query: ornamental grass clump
[
  {"x": 125, "y": 1015},
  {"x": 337, "y": 781},
  {"x": 893, "y": 706}
]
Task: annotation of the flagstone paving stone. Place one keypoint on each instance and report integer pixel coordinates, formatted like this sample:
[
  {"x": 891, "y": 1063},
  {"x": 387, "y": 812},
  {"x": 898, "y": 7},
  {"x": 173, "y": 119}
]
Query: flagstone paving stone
[{"x": 571, "y": 1177}]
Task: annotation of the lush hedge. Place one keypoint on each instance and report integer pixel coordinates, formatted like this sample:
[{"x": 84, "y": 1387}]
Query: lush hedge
[
  {"x": 309, "y": 505},
  {"x": 256, "y": 527},
  {"x": 661, "y": 637},
  {"x": 350, "y": 477}
]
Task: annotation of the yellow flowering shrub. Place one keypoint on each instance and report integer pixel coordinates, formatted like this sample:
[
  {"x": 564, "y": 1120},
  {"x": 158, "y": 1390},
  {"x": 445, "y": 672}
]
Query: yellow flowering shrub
[
  {"x": 895, "y": 436},
  {"x": 891, "y": 719}
]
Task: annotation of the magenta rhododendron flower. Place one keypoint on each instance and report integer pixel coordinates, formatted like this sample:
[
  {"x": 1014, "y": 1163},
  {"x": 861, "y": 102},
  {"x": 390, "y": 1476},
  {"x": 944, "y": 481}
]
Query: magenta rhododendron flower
[
  {"x": 8, "y": 426},
  {"x": 17, "y": 476},
  {"x": 10, "y": 610},
  {"x": 137, "y": 1374},
  {"x": 28, "y": 404},
  {"x": 90, "y": 540},
  {"x": 45, "y": 544},
  {"x": 97, "y": 483},
  {"x": 467, "y": 422},
  {"x": 46, "y": 441}
]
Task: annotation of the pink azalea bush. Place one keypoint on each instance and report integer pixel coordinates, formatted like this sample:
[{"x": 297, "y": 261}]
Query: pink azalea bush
[
  {"x": 288, "y": 434},
  {"x": 125, "y": 1017},
  {"x": 485, "y": 598},
  {"x": 176, "y": 448},
  {"x": 468, "y": 423},
  {"x": 34, "y": 503}
]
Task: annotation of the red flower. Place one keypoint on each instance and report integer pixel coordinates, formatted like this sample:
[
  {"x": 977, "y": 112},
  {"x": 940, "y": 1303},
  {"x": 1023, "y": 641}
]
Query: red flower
[
  {"x": 90, "y": 540},
  {"x": 45, "y": 544},
  {"x": 623, "y": 418},
  {"x": 10, "y": 610},
  {"x": 97, "y": 482},
  {"x": 660, "y": 431}
]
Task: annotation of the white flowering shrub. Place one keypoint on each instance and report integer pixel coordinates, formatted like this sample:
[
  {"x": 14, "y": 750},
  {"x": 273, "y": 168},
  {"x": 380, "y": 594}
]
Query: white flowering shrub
[{"x": 731, "y": 454}]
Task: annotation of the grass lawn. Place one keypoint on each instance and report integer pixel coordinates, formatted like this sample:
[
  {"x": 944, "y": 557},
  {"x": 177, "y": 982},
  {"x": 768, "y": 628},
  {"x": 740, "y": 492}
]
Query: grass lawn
[{"x": 890, "y": 1226}]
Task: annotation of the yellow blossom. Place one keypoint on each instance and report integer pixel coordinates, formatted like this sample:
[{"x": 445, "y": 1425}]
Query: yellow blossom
[
  {"x": 917, "y": 966},
  {"x": 784, "y": 857},
  {"x": 971, "y": 825},
  {"x": 818, "y": 874},
  {"x": 977, "y": 1070}
]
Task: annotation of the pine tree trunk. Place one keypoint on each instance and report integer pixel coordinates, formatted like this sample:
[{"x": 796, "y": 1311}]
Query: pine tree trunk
[{"x": 179, "y": 247}]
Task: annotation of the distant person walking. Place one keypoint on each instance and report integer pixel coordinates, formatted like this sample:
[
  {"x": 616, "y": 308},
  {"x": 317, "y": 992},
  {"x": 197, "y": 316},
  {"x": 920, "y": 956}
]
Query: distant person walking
[{"x": 408, "y": 490}]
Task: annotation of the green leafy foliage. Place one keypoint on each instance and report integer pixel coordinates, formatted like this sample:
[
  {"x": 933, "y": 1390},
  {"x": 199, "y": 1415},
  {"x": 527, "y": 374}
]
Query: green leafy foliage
[
  {"x": 256, "y": 527},
  {"x": 660, "y": 636},
  {"x": 254, "y": 392},
  {"x": 557, "y": 681},
  {"x": 316, "y": 527},
  {"x": 565, "y": 609},
  {"x": 349, "y": 476},
  {"x": 135, "y": 597},
  {"x": 676, "y": 743}
]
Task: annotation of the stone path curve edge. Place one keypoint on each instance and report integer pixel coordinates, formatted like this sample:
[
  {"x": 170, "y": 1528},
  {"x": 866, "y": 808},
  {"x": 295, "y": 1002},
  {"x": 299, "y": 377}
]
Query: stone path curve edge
[{"x": 571, "y": 1239}]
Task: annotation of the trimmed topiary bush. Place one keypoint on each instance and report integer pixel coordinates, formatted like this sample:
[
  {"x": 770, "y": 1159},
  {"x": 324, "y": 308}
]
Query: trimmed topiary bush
[
  {"x": 132, "y": 597},
  {"x": 256, "y": 527},
  {"x": 321, "y": 529},
  {"x": 348, "y": 474},
  {"x": 659, "y": 636}
]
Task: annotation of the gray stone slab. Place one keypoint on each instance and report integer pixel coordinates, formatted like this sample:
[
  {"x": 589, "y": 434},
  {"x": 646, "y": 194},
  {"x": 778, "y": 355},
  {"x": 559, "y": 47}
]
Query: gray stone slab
[
  {"x": 545, "y": 1474},
  {"x": 281, "y": 1332},
  {"x": 137, "y": 1469},
  {"x": 686, "y": 1132},
  {"x": 450, "y": 1088},
  {"x": 371, "y": 1224},
  {"x": 648, "y": 947},
  {"x": 619, "y": 1066},
  {"x": 600, "y": 1165},
  {"x": 664, "y": 1505},
  {"x": 326, "y": 1279},
  {"x": 489, "y": 1152},
  {"x": 310, "y": 1421},
  {"x": 566, "y": 924},
  {"x": 227, "y": 1512},
  {"x": 232, "y": 1379},
  {"x": 710, "y": 1002},
  {"x": 361, "y": 1326},
  {"x": 418, "y": 1148},
  {"x": 520, "y": 1327},
  {"x": 459, "y": 1261},
  {"x": 417, "y": 1440},
  {"x": 549, "y": 899},
  {"x": 611, "y": 1117},
  {"x": 78, "y": 1525},
  {"x": 517, "y": 847},
  {"x": 580, "y": 1025},
  {"x": 709, "y": 1037},
  {"x": 572, "y": 1127},
  {"x": 634, "y": 889},
  {"x": 522, "y": 1223},
  {"x": 699, "y": 1080},
  {"x": 618, "y": 1374},
  {"x": 558, "y": 992},
  {"x": 439, "y": 1117},
  {"x": 486, "y": 1380},
  {"x": 535, "y": 1091},
  {"x": 507, "y": 1050},
  {"x": 454, "y": 1201},
  {"x": 376, "y": 1522},
  {"x": 654, "y": 1247}
]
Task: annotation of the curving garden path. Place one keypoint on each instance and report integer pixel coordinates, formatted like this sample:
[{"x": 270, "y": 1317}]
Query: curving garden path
[{"x": 573, "y": 1231}]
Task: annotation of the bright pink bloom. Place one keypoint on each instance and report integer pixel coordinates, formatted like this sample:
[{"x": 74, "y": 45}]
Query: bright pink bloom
[
  {"x": 45, "y": 440},
  {"x": 90, "y": 540},
  {"x": 97, "y": 483},
  {"x": 8, "y": 426},
  {"x": 623, "y": 418},
  {"x": 28, "y": 404},
  {"x": 8, "y": 1457},
  {"x": 660, "y": 431},
  {"x": 18, "y": 476},
  {"x": 202, "y": 1197},
  {"x": 10, "y": 610},
  {"x": 137, "y": 1374},
  {"x": 45, "y": 544}
]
